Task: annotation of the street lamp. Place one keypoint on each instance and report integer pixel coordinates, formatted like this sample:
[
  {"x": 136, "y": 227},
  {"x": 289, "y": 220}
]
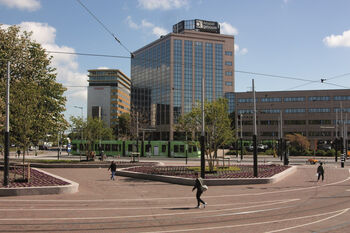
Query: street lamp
[{"x": 82, "y": 118}]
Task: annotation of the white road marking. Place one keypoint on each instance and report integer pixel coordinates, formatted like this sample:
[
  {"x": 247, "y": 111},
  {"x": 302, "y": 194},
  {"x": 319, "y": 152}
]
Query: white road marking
[
  {"x": 310, "y": 223},
  {"x": 149, "y": 215},
  {"x": 158, "y": 207},
  {"x": 337, "y": 213},
  {"x": 171, "y": 198}
]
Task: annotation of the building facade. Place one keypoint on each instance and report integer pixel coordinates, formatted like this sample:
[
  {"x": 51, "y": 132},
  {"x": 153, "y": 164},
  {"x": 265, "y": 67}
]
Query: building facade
[
  {"x": 320, "y": 115},
  {"x": 108, "y": 94},
  {"x": 167, "y": 74}
]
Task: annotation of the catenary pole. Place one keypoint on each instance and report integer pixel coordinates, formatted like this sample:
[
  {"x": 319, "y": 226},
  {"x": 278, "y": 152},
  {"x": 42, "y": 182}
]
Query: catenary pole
[
  {"x": 255, "y": 152},
  {"x": 7, "y": 129},
  {"x": 203, "y": 134}
]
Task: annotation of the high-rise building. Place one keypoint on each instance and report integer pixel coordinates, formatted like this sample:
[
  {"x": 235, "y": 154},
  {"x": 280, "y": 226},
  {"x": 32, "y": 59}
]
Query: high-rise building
[
  {"x": 167, "y": 74},
  {"x": 108, "y": 94}
]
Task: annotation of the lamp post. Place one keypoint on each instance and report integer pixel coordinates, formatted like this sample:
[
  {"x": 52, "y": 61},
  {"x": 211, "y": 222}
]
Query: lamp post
[{"x": 82, "y": 119}]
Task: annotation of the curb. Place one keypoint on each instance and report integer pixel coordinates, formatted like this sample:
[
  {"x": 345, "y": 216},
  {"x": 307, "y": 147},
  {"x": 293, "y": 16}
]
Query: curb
[
  {"x": 210, "y": 182},
  {"x": 72, "y": 187}
]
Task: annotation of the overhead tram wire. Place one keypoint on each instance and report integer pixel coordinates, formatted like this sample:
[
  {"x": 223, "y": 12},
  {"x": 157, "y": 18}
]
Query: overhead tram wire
[
  {"x": 236, "y": 71},
  {"x": 89, "y": 54},
  {"x": 99, "y": 21}
]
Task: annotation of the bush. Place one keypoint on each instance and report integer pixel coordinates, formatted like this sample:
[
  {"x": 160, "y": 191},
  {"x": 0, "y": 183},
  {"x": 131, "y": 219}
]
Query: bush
[{"x": 320, "y": 153}]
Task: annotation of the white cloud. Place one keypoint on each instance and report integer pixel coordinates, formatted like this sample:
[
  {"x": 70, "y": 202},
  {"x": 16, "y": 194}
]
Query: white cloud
[
  {"x": 30, "y": 5},
  {"x": 158, "y": 31},
  {"x": 103, "y": 68},
  {"x": 244, "y": 51},
  {"x": 228, "y": 29},
  {"x": 145, "y": 25},
  {"x": 239, "y": 51},
  {"x": 66, "y": 65},
  {"x": 338, "y": 40},
  {"x": 131, "y": 23},
  {"x": 163, "y": 4}
]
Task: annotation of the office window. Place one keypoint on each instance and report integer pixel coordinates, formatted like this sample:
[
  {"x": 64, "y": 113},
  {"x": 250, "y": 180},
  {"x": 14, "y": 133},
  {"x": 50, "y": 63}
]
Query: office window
[
  {"x": 271, "y": 99},
  {"x": 319, "y": 110},
  {"x": 228, "y": 63},
  {"x": 228, "y": 73},
  {"x": 294, "y": 99},
  {"x": 228, "y": 83},
  {"x": 295, "y": 110},
  {"x": 228, "y": 53},
  {"x": 341, "y": 98},
  {"x": 319, "y": 98}
]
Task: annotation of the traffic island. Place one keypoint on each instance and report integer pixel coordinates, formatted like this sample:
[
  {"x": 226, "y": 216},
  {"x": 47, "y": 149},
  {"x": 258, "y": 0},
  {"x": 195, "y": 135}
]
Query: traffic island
[
  {"x": 39, "y": 183},
  {"x": 235, "y": 175}
]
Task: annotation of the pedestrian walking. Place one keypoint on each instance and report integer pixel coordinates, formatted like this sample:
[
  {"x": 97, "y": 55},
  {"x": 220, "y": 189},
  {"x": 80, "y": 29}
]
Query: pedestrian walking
[
  {"x": 113, "y": 168},
  {"x": 320, "y": 172},
  {"x": 18, "y": 153},
  {"x": 199, "y": 186}
]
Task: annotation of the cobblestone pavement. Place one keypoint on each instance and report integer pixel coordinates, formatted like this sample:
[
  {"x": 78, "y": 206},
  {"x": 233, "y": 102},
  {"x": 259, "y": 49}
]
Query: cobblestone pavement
[{"x": 296, "y": 204}]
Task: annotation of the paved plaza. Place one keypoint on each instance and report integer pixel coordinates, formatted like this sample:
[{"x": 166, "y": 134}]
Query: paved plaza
[{"x": 296, "y": 204}]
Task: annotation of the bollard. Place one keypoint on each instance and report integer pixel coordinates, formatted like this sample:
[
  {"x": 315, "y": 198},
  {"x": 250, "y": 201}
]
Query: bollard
[{"x": 342, "y": 160}]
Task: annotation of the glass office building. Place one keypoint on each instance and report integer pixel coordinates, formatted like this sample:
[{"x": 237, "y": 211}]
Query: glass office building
[{"x": 167, "y": 74}]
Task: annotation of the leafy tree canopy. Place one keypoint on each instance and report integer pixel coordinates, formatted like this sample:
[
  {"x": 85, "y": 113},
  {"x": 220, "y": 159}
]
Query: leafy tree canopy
[{"x": 36, "y": 99}]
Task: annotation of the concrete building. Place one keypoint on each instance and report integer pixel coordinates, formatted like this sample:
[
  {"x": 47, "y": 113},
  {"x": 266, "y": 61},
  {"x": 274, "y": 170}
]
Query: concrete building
[
  {"x": 108, "y": 94},
  {"x": 167, "y": 74},
  {"x": 316, "y": 114}
]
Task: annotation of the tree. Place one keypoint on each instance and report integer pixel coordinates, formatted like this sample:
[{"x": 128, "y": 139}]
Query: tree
[
  {"x": 217, "y": 126},
  {"x": 298, "y": 142},
  {"x": 36, "y": 99},
  {"x": 122, "y": 129},
  {"x": 94, "y": 130}
]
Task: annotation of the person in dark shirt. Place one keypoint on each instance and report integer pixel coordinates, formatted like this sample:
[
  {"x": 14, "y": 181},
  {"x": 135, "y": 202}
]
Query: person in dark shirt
[
  {"x": 198, "y": 185},
  {"x": 113, "y": 168},
  {"x": 320, "y": 172}
]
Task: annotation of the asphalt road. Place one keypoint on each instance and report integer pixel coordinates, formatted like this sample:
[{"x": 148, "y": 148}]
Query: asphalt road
[{"x": 296, "y": 204}]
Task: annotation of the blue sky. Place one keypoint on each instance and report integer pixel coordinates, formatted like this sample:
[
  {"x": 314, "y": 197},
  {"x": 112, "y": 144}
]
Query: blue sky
[{"x": 304, "y": 39}]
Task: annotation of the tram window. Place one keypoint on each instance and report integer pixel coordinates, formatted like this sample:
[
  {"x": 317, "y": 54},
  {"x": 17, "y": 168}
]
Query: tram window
[
  {"x": 190, "y": 149},
  {"x": 130, "y": 147},
  {"x": 96, "y": 147},
  {"x": 108, "y": 147},
  {"x": 194, "y": 149},
  {"x": 102, "y": 146},
  {"x": 120, "y": 147},
  {"x": 176, "y": 148},
  {"x": 74, "y": 147},
  {"x": 148, "y": 148},
  {"x": 182, "y": 148},
  {"x": 163, "y": 148},
  {"x": 81, "y": 147},
  {"x": 114, "y": 147}
]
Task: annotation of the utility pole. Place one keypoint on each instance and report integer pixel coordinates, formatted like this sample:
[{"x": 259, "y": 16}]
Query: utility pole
[
  {"x": 241, "y": 137},
  {"x": 203, "y": 134},
  {"x": 255, "y": 152},
  {"x": 7, "y": 129}
]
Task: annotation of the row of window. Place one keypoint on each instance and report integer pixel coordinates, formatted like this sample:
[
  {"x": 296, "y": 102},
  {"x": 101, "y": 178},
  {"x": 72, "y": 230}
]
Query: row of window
[
  {"x": 293, "y": 99},
  {"x": 295, "y": 122},
  {"x": 293, "y": 110},
  {"x": 310, "y": 133}
]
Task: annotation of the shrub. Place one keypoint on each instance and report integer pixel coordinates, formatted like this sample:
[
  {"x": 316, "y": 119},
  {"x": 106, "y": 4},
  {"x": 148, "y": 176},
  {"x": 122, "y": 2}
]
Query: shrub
[{"x": 320, "y": 153}]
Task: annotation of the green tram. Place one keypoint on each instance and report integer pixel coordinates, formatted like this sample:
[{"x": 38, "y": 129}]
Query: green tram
[{"x": 145, "y": 148}]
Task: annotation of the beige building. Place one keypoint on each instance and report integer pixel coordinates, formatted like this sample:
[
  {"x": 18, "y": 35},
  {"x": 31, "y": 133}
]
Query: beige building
[
  {"x": 316, "y": 114},
  {"x": 108, "y": 94},
  {"x": 167, "y": 74}
]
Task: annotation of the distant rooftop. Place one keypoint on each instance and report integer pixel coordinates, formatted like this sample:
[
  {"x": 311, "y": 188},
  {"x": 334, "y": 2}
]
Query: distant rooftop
[{"x": 197, "y": 25}]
